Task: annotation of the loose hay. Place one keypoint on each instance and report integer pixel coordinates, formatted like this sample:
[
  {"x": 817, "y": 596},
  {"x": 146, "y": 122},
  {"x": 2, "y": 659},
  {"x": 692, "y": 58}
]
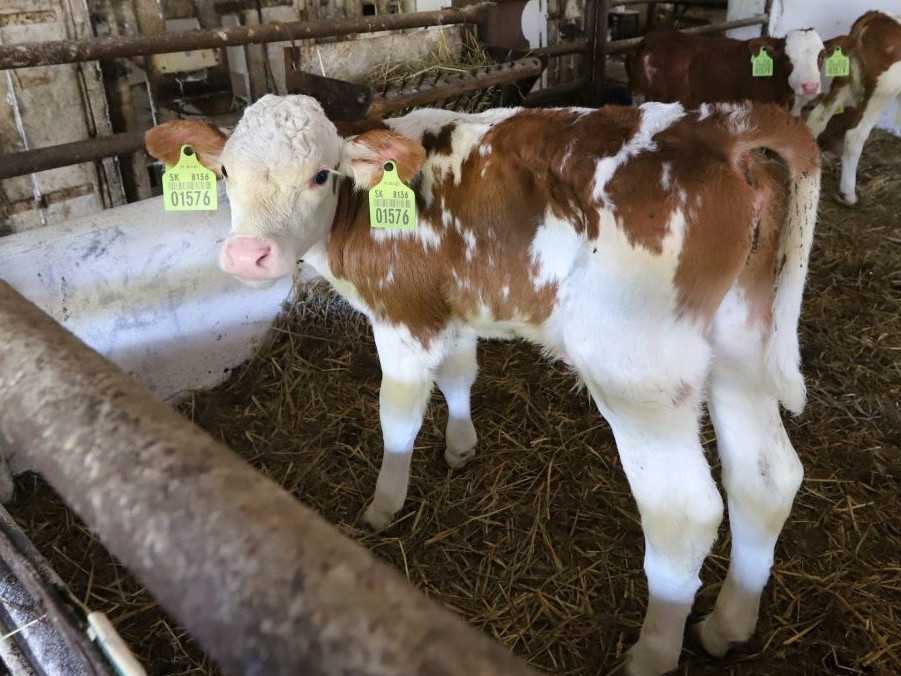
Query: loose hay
[
  {"x": 442, "y": 62},
  {"x": 537, "y": 541},
  {"x": 443, "y": 58}
]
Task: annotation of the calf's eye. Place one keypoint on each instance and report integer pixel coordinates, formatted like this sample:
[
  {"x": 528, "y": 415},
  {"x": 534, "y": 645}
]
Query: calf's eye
[{"x": 321, "y": 177}]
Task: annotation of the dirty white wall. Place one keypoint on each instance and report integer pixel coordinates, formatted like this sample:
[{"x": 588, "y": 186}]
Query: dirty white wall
[
  {"x": 742, "y": 9},
  {"x": 142, "y": 287}
]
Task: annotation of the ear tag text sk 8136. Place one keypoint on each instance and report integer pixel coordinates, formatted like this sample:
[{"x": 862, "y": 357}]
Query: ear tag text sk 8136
[
  {"x": 189, "y": 186},
  {"x": 392, "y": 204}
]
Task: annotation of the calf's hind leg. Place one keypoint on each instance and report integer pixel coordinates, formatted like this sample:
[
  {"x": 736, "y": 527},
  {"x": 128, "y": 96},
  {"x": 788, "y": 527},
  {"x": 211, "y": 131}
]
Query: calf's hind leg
[
  {"x": 647, "y": 378},
  {"x": 680, "y": 509},
  {"x": 761, "y": 473}
]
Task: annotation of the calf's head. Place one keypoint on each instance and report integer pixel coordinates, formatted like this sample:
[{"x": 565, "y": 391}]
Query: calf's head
[
  {"x": 805, "y": 51},
  {"x": 800, "y": 53},
  {"x": 281, "y": 167}
]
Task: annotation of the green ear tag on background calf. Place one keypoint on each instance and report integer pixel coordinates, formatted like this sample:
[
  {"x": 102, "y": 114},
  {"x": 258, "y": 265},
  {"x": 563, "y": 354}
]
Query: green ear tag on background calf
[
  {"x": 762, "y": 64},
  {"x": 838, "y": 65},
  {"x": 392, "y": 204},
  {"x": 189, "y": 186}
]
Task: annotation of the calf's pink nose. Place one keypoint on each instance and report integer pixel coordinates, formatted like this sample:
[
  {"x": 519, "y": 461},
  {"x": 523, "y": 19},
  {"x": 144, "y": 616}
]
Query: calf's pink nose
[
  {"x": 810, "y": 87},
  {"x": 249, "y": 257}
]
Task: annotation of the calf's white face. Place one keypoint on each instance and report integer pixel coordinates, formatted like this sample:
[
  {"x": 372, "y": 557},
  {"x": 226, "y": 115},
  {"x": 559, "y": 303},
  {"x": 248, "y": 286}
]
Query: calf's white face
[
  {"x": 278, "y": 167},
  {"x": 282, "y": 165},
  {"x": 803, "y": 48}
]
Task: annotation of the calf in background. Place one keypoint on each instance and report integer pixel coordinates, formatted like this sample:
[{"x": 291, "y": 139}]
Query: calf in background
[
  {"x": 851, "y": 106},
  {"x": 694, "y": 69}
]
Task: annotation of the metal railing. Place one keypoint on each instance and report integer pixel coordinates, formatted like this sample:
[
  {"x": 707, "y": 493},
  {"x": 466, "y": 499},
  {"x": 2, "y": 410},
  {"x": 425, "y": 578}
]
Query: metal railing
[
  {"x": 592, "y": 79},
  {"x": 263, "y": 583}
]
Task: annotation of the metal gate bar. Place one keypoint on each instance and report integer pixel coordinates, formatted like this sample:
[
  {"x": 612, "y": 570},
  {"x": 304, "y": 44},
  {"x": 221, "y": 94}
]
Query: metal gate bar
[
  {"x": 72, "y": 51},
  {"x": 595, "y": 49},
  {"x": 64, "y": 154},
  {"x": 264, "y": 584}
]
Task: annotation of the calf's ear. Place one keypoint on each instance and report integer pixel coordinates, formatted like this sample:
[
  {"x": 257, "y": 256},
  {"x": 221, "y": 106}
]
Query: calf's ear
[
  {"x": 363, "y": 157},
  {"x": 767, "y": 44},
  {"x": 842, "y": 42},
  {"x": 164, "y": 142}
]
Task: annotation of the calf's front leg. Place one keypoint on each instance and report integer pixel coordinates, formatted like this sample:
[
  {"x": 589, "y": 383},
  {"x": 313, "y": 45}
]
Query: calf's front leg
[
  {"x": 855, "y": 139},
  {"x": 407, "y": 377},
  {"x": 455, "y": 377}
]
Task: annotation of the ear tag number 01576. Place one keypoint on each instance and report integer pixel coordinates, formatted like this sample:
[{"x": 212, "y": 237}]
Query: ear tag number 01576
[
  {"x": 392, "y": 205},
  {"x": 762, "y": 64},
  {"x": 189, "y": 186},
  {"x": 838, "y": 65}
]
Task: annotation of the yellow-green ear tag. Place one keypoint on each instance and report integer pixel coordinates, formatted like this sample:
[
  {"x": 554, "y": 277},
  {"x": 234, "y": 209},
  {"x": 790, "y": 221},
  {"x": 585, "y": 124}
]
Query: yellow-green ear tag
[
  {"x": 189, "y": 186},
  {"x": 391, "y": 203},
  {"x": 762, "y": 64},
  {"x": 838, "y": 65}
]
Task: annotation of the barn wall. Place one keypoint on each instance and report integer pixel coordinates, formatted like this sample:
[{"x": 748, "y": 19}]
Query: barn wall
[{"x": 47, "y": 106}]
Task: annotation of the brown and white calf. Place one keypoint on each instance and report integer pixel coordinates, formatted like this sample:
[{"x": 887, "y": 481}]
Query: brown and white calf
[
  {"x": 874, "y": 49},
  {"x": 695, "y": 69},
  {"x": 651, "y": 249}
]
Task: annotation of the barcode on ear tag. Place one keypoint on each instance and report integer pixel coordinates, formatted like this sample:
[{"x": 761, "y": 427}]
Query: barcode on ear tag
[
  {"x": 838, "y": 65},
  {"x": 762, "y": 64},
  {"x": 392, "y": 204},
  {"x": 189, "y": 186}
]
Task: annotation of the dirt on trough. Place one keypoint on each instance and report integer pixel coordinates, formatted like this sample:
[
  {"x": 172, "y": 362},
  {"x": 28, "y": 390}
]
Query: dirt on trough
[{"x": 537, "y": 542}]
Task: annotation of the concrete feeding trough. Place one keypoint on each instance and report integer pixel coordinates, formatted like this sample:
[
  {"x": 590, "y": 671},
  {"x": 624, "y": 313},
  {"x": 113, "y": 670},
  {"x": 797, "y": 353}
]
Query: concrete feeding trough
[{"x": 142, "y": 287}]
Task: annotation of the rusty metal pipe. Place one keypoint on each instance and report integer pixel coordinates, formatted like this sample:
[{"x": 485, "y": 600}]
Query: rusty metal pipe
[
  {"x": 692, "y": 3},
  {"x": 560, "y": 49},
  {"x": 265, "y": 584},
  {"x": 71, "y": 51},
  {"x": 64, "y": 154},
  {"x": 627, "y": 45}
]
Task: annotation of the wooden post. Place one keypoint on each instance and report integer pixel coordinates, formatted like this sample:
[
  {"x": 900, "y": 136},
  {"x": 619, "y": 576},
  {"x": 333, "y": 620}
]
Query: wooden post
[
  {"x": 587, "y": 62},
  {"x": 652, "y": 17},
  {"x": 598, "y": 52},
  {"x": 767, "y": 8}
]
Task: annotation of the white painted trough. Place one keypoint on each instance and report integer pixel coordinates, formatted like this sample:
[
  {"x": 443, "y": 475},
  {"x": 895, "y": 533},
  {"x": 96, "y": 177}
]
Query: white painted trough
[{"x": 142, "y": 287}]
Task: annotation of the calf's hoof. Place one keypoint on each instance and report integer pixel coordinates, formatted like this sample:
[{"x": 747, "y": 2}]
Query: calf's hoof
[
  {"x": 716, "y": 639},
  {"x": 461, "y": 443},
  {"x": 710, "y": 637},
  {"x": 378, "y": 517},
  {"x": 845, "y": 200},
  {"x": 643, "y": 662},
  {"x": 458, "y": 459}
]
